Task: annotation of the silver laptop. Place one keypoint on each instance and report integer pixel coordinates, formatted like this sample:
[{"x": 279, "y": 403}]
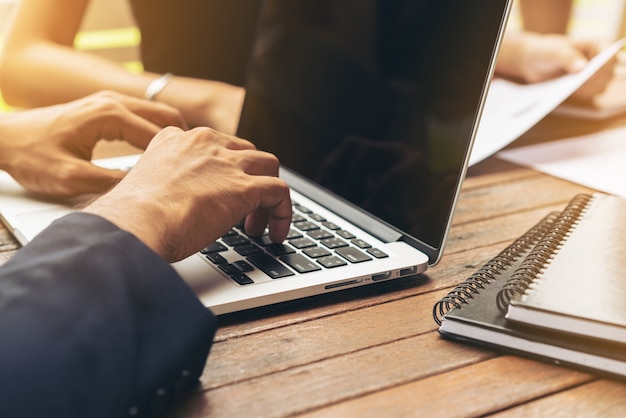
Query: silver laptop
[{"x": 372, "y": 107}]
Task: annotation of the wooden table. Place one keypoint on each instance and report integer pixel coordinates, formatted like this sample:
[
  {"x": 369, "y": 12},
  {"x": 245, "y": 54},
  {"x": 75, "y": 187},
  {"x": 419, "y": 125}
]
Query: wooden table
[{"x": 375, "y": 351}]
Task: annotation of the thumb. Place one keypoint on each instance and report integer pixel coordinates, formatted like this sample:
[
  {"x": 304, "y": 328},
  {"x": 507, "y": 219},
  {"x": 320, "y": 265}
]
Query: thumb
[
  {"x": 574, "y": 64},
  {"x": 87, "y": 178},
  {"x": 572, "y": 58}
]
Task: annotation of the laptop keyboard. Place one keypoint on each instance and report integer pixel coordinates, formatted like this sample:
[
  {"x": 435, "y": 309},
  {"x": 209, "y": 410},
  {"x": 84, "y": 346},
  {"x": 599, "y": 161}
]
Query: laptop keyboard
[{"x": 313, "y": 244}]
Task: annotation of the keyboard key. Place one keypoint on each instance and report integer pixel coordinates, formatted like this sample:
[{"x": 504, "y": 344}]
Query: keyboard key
[
  {"x": 299, "y": 263},
  {"x": 345, "y": 234},
  {"x": 293, "y": 234},
  {"x": 235, "y": 240},
  {"x": 333, "y": 243},
  {"x": 242, "y": 266},
  {"x": 331, "y": 226},
  {"x": 306, "y": 226},
  {"x": 270, "y": 266},
  {"x": 360, "y": 243},
  {"x": 316, "y": 252},
  {"x": 377, "y": 253},
  {"x": 241, "y": 278},
  {"x": 302, "y": 243},
  {"x": 319, "y": 234},
  {"x": 229, "y": 269},
  {"x": 214, "y": 248},
  {"x": 247, "y": 250},
  {"x": 216, "y": 258},
  {"x": 317, "y": 217},
  {"x": 331, "y": 261},
  {"x": 264, "y": 240},
  {"x": 279, "y": 249},
  {"x": 353, "y": 255},
  {"x": 302, "y": 209},
  {"x": 295, "y": 218}
]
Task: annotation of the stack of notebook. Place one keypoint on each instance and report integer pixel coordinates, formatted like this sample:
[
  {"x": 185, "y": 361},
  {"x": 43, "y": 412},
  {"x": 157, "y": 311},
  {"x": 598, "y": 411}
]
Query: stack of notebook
[{"x": 558, "y": 293}]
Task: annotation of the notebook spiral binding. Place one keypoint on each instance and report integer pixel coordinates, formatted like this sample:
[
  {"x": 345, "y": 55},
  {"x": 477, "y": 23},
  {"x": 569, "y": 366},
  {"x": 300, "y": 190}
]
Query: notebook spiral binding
[
  {"x": 540, "y": 256},
  {"x": 466, "y": 290}
]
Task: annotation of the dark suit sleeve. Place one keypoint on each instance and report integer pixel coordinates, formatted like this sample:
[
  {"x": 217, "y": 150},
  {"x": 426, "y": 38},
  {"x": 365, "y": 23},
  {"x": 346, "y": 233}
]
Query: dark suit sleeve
[{"x": 95, "y": 324}]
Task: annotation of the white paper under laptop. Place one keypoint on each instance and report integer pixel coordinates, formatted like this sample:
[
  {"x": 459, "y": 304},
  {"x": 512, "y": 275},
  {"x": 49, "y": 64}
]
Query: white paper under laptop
[{"x": 372, "y": 107}]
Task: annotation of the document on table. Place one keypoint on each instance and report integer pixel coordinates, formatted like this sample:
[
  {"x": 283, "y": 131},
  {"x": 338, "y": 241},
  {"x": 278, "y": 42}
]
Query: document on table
[
  {"x": 596, "y": 160},
  {"x": 511, "y": 108}
]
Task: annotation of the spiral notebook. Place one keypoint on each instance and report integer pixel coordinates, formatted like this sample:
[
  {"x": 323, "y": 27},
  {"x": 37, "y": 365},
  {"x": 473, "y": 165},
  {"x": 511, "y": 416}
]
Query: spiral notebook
[
  {"x": 581, "y": 280},
  {"x": 575, "y": 247}
]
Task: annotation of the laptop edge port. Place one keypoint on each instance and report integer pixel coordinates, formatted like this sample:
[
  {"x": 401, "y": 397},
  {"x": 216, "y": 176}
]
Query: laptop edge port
[
  {"x": 381, "y": 276},
  {"x": 408, "y": 271}
]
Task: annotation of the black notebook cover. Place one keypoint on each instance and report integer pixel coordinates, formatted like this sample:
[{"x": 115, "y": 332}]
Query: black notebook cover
[{"x": 470, "y": 313}]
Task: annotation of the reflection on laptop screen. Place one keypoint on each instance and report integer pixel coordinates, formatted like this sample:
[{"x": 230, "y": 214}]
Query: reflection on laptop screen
[{"x": 369, "y": 99}]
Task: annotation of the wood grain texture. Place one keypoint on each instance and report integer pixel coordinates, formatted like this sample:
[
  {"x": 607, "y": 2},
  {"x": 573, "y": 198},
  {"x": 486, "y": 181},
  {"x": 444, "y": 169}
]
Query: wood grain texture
[
  {"x": 602, "y": 398},
  {"x": 473, "y": 390}
]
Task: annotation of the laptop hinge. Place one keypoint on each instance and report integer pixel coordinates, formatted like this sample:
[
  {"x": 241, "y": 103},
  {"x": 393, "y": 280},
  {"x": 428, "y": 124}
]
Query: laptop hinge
[{"x": 346, "y": 210}]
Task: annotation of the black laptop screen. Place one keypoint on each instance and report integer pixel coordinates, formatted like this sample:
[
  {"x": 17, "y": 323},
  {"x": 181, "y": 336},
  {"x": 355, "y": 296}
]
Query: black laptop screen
[{"x": 375, "y": 100}]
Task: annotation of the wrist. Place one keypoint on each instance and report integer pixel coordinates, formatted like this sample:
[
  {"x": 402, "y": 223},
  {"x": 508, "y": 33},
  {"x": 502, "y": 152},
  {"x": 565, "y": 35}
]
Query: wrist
[
  {"x": 134, "y": 216},
  {"x": 157, "y": 86},
  {"x": 9, "y": 148},
  {"x": 205, "y": 102}
]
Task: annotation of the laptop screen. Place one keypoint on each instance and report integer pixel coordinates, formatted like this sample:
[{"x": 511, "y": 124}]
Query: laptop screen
[{"x": 375, "y": 100}]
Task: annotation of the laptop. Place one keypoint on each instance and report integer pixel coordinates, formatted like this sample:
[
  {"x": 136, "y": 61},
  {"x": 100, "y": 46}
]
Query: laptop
[{"x": 371, "y": 107}]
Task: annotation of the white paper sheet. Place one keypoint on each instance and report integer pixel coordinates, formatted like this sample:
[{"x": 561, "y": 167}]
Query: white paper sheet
[
  {"x": 25, "y": 214},
  {"x": 511, "y": 108},
  {"x": 597, "y": 160}
]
